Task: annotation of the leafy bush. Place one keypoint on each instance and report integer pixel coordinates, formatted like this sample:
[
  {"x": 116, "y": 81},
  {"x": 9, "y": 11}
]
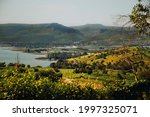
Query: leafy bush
[
  {"x": 123, "y": 91},
  {"x": 50, "y": 73},
  {"x": 11, "y": 64},
  {"x": 144, "y": 74},
  {"x": 28, "y": 88},
  {"x": 98, "y": 73},
  {"x": 2, "y": 64}
]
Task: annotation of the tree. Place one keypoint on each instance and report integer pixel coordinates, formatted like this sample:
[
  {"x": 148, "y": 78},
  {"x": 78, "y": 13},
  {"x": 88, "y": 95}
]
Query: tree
[{"x": 140, "y": 17}]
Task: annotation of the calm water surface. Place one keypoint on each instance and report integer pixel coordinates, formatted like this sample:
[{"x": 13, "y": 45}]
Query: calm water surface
[{"x": 7, "y": 55}]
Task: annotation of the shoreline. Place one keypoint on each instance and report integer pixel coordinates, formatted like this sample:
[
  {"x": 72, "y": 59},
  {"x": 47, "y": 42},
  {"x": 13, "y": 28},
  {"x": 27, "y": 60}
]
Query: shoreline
[
  {"x": 21, "y": 49},
  {"x": 41, "y": 58},
  {"x": 32, "y": 60}
]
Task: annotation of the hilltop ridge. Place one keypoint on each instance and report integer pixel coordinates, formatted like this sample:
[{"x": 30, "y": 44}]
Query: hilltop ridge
[{"x": 55, "y": 34}]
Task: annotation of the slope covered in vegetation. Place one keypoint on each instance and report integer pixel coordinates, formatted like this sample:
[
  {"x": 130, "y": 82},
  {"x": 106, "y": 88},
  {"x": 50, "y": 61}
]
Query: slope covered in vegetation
[
  {"x": 123, "y": 72},
  {"x": 132, "y": 60},
  {"x": 38, "y": 35},
  {"x": 48, "y": 35},
  {"x": 120, "y": 73}
]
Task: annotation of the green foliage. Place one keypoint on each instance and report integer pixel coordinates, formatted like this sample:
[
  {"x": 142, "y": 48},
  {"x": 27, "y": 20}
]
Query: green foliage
[
  {"x": 64, "y": 55},
  {"x": 62, "y": 64},
  {"x": 71, "y": 91},
  {"x": 39, "y": 83},
  {"x": 98, "y": 73},
  {"x": 71, "y": 74},
  {"x": 122, "y": 73},
  {"x": 145, "y": 74},
  {"x": 86, "y": 69},
  {"x": 140, "y": 18},
  {"x": 123, "y": 91},
  {"x": 121, "y": 60},
  {"x": 2, "y": 64},
  {"x": 49, "y": 73}
]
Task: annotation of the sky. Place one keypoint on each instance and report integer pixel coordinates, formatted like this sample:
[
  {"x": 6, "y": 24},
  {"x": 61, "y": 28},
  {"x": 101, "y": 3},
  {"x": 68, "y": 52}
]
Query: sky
[{"x": 66, "y": 12}]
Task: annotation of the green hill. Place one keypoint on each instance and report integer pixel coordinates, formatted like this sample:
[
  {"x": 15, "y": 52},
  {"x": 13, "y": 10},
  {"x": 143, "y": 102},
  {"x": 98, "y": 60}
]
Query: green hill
[
  {"x": 54, "y": 34},
  {"x": 113, "y": 57},
  {"x": 120, "y": 73},
  {"x": 38, "y": 34},
  {"x": 98, "y": 34},
  {"x": 124, "y": 63}
]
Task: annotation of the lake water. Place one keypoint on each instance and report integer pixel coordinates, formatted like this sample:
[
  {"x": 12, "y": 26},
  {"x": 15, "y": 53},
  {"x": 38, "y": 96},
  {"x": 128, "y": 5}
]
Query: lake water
[{"x": 9, "y": 56}]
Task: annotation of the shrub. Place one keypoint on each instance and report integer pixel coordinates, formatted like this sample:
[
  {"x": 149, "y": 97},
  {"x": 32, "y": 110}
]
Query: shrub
[
  {"x": 98, "y": 72},
  {"x": 144, "y": 75},
  {"x": 21, "y": 70},
  {"x": 2, "y": 64},
  {"x": 11, "y": 64},
  {"x": 28, "y": 88},
  {"x": 51, "y": 74}
]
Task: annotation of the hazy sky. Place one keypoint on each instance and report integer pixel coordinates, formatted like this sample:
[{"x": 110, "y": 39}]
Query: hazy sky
[{"x": 67, "y": 12}]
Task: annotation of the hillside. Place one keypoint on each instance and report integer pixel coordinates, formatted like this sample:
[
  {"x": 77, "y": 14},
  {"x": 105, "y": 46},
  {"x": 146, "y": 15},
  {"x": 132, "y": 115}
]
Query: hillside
[
  {"x": 121, "y": 73},
  {"x": 113, "y": 56},
  {"x": 133, "y": 63},
  {"x": 99, "y": 34},
  {"x": 38, "y": 34},
  {"x": 54, "y": 34}
]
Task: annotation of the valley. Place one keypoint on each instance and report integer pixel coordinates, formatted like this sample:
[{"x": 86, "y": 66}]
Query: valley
[{"x": 88, "y": 62}]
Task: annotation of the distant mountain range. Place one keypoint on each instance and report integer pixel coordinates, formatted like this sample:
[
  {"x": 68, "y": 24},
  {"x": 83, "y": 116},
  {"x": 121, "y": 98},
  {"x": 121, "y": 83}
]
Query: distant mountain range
[
  {"x": 54, "y": 34},
  {"x": 38, "y": 34}
]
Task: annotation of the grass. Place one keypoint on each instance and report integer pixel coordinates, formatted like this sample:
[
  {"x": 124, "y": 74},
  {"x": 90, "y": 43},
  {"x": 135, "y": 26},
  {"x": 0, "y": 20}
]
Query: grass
[
  {"x": 84, "y": 79},
  {"x": 81, "y": 79},
  {"x": 68, "y": 73}
]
